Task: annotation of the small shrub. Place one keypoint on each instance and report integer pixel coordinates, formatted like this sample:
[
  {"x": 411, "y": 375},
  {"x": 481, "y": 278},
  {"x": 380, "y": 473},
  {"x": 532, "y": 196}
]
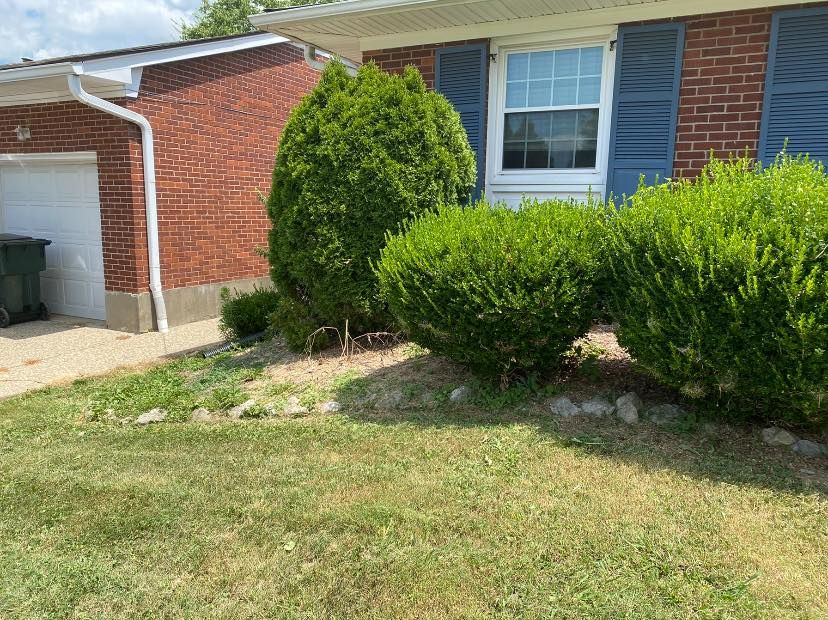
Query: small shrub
[
  {"x": 719, "y": 285},
  {"x": 357, "y": 157},
  {"x": 504, "y": 292},
  {"x": 246, "y": 313}
]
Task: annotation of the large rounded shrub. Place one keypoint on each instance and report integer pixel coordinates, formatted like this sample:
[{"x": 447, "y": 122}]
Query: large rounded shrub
[
  {"x": 720, "y": 288},
  {"x": 504, "y": 292},
  {"x": 358, "y": 156}
]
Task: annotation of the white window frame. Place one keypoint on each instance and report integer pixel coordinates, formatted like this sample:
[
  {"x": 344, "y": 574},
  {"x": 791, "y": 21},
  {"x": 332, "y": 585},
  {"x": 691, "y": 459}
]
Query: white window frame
[{"x": 563, "y": 181}]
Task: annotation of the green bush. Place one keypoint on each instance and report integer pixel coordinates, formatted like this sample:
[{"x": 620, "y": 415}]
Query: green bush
[
  {"x": 246, "y": 313},
  {"x": 504, "y": 292},
  {"x": 720, "y": 288},
  {"x": 357, "y": 157}
]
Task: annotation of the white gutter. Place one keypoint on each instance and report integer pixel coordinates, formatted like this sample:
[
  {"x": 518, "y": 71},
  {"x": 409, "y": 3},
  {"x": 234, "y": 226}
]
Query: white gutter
[
  {"x": 38, "y": 71},
  {"x": 317, "y": 65},
  {"x": 148, "y": 152}
]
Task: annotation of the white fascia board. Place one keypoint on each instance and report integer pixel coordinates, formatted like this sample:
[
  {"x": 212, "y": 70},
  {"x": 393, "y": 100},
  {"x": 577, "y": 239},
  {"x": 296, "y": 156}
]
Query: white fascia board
[
  {"x": 119, "y": 69},
  {"x": 120, "y": 76},
  {"x": 662, "y": 9},
  {"x": 40, "y": 71},
  {"x": 175, "y": 54}
]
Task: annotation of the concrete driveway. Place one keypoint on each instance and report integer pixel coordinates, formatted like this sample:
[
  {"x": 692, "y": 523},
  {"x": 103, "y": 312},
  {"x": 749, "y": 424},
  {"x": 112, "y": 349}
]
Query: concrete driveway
[{"x": 40, "y": 353}]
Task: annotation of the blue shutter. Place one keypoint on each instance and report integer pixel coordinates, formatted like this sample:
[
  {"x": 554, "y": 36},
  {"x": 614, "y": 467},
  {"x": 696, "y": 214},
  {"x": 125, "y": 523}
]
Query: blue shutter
[
  {"x": 645, "y": 105},
  {"x": 796, "y": 89},
  {"x": 461, "y": 78}
]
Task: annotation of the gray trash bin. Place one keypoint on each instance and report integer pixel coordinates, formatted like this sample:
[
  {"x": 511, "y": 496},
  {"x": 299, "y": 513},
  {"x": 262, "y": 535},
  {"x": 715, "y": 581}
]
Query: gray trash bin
[{"x": 21, "y": 261}]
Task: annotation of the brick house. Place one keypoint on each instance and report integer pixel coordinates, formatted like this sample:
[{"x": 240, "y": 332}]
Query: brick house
[
  {"x": 560, "y": 98},
  {"x": 73, "y": 147}
]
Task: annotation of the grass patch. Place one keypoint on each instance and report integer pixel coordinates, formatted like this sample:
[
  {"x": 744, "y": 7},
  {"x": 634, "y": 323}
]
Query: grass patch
[{"x": 480, "y": 510}]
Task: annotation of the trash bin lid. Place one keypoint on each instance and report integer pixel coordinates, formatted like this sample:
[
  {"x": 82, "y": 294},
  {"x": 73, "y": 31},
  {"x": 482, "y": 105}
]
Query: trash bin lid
[{"x": 10, "y": 239}]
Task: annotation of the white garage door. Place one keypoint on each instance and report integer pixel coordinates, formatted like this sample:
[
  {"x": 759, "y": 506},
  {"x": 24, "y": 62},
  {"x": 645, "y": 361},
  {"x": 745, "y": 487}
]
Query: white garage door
[{"x": 59, "y": 201}]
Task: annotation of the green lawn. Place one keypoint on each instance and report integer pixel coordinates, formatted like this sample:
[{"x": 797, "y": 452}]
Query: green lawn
[{"x": 485, "y": 510}]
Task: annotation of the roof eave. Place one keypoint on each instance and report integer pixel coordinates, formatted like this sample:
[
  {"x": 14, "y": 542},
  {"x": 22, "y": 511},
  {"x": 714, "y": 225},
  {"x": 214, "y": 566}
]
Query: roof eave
[{"x": 40, "y": 71}]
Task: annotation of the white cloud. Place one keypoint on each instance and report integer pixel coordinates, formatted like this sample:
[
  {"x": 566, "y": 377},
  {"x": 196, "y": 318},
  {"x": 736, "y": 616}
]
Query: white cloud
[{"x": 47, "y": 28}]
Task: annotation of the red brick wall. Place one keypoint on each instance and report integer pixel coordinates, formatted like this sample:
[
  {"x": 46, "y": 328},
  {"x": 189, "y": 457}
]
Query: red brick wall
[
  {"x": 69, "y": 127},
  {"x": 722, "y": 86},
  {"x": 722, "y": 83},
  {"x": 420, "y": 56},
  {"x": 217, "y": 121}
]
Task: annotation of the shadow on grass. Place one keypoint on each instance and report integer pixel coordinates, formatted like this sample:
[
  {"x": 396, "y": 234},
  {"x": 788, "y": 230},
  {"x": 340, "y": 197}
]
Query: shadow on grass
[{"x": 416, "y": 392}]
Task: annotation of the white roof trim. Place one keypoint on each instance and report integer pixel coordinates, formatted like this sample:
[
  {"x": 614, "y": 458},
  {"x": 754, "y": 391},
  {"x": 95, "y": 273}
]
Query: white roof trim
[
  {"x": 176, "y": 54},
  {"x": 113, "y": 76},
  {"x": 39, "y": 71}
]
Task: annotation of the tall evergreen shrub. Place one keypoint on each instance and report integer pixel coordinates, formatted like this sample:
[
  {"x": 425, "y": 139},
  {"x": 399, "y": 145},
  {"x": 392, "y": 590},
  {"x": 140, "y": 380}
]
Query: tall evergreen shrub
[{"x": 358, "y": 156}]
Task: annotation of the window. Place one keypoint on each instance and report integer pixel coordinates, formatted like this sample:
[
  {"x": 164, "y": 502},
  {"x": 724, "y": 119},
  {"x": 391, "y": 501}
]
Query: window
[{"x": 552, "y": 109}]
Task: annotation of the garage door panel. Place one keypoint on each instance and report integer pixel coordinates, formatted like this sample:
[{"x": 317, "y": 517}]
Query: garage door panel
[
  {"x": 14, "y": 185},
  {"x": 39, "y": 187},
  {"x": 98, "y": 300},
  {"x": 90, "y": 188},
  {"x": 77, "y": 293},
  {"x": 15, "y": 219},
  {"x": 51, "y": 290},
  {"x": 60, "y": 202},
  {"x": 74, "y": 257}
]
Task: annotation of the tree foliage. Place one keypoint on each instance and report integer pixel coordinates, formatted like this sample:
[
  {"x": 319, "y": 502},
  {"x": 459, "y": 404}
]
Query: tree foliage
[
  {"x": 216, "y": 18},
  {"x": 357, "y": 157}
]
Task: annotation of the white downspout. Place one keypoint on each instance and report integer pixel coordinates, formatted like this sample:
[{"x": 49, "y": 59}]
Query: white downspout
[
  {"x": 310, "y": 58},
  {"x": 148, "y": 153}
]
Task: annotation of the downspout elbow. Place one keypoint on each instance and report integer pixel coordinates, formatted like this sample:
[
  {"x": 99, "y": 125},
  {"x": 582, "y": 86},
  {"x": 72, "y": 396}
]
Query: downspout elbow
[
  {"x": 310, "y": 58},
  {"x": 148, "y": 156}
]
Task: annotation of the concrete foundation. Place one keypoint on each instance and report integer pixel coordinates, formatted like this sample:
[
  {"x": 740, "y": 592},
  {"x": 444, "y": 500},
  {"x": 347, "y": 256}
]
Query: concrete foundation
[{"x": 133, "y": 312}]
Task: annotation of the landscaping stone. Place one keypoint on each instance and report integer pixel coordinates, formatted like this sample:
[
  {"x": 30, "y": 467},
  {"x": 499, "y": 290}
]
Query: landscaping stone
[
  {"x": 663, "y": 415},
  {"x": 237, "y": 413},
  {"x": 597, "y": 407},
  {"x": 330, "y": 407},
  {"x": 628, "y": 406},
  {"x": 808, "y": 448},
  {"x": 151, "y": 417},
  {"x": 294, "y": 408},
  {"x": 630, "y": 398},
  {"x": 775, "y": 436},
  {"x": 270, "y": 408},
  {"x": 201, "y": 415},
  {"x": 390, "y": 400},
  {"x": 562, "y": 406},
  {"x": 461, "y": 394}
]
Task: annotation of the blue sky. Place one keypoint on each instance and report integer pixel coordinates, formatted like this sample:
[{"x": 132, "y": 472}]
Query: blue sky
[{"x": 47, "y": 28}]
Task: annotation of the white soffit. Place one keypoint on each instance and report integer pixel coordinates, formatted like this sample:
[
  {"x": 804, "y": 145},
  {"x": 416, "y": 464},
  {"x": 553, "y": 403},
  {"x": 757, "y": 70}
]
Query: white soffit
[{"x": 354, "y": 26}]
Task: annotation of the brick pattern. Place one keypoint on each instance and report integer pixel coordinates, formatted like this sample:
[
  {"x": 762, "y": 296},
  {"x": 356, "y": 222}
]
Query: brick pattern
[
  {"x": 722, "y": 87},
  {"x": 722, "y": 83},
  {"x": 216, "y": 122},
  {"x": 420, "y": 56},
  {"x": 70, "y": 127}
]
